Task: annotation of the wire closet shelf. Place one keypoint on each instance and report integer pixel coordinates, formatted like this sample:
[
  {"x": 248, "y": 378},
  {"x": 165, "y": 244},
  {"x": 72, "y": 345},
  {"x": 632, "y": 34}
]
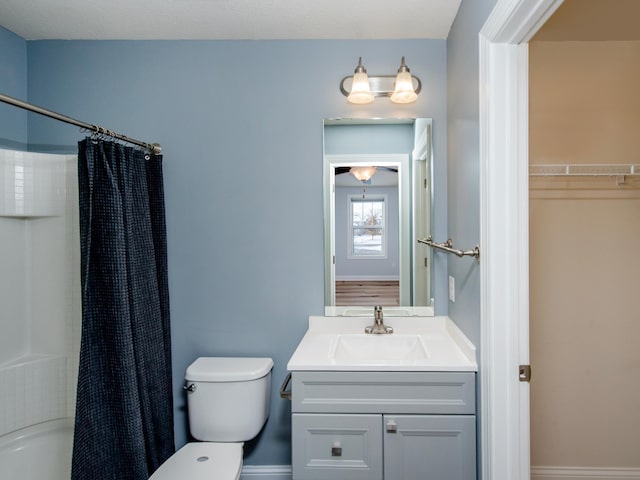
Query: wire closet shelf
[{"x": 584, "y": 170}]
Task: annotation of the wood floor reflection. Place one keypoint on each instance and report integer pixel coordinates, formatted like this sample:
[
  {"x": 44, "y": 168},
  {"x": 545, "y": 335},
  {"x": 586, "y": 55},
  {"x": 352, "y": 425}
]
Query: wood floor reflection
[{"x": 368, "y": 293}]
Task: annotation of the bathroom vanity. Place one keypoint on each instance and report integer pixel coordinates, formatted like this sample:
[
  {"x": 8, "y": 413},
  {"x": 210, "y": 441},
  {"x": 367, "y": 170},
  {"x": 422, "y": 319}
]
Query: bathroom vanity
[{"x": 391, "y": 406}]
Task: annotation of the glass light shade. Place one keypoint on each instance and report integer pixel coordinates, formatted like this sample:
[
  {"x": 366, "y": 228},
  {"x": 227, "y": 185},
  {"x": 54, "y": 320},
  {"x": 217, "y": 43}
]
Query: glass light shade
[
  {"x": 360, "y": 90},
  {"x": 404, "y": 92},
  {"x": 363, "y": 173}
]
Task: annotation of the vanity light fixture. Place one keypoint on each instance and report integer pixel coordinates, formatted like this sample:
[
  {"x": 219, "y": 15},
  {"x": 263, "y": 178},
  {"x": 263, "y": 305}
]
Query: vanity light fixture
[
  {"x": 363, "y": 174},
  {"x": 400, "y": 88}
]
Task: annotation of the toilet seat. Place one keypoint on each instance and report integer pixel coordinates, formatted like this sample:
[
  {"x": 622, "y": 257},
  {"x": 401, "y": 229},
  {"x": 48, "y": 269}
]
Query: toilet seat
[{"x": 202, "y": 461}]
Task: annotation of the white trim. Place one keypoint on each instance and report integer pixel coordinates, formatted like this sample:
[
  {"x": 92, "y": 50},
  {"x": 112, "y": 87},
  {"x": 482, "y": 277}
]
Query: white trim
[
  {"x": 581, "y": 473},
  {"x": 367, "y": 278},
  {"x": 502, "y": 260},
  {"x": 399, "y": 160},
  {"x": 504, "y": 427},
  {"x": 516, "y": 21},
  {"x": 272, "y": 472}
]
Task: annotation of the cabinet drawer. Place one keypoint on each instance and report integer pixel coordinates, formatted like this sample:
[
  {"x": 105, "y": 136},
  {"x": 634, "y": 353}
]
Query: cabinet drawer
[
  {"x": 337, "y": 447},
  {"x": 383, "y": 392}
]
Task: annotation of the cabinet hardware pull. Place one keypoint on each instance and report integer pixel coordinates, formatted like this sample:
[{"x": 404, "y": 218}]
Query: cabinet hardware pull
[
  {"x": 392, "y": 427},
  {"x": 336, "y": 450},
  {"x": 284, "y": 393}
]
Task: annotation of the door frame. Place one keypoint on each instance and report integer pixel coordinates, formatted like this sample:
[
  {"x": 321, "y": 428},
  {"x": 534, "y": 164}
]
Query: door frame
[
  {"x": 504, "y": 234},
  {"x": 400, "y": 161}
]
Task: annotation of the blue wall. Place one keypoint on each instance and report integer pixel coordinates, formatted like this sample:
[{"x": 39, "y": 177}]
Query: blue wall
[
  {"x": 380, "y": 139},
  {"x": 463, "y": 128},
  {"x": 463, "y": 159},
  {"x": 13, "y": 82},
  {"x": 240, "y": 123}
]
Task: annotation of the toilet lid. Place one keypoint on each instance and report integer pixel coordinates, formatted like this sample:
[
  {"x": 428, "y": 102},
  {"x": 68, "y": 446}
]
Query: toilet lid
[
  {"x": 228, "y": 369},
  {"x": 202, "y": 461}
]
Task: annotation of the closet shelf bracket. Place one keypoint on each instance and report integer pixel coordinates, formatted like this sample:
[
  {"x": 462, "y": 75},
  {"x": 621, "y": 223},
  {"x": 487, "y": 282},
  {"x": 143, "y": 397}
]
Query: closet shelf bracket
[{"x": 448, "y": 247}]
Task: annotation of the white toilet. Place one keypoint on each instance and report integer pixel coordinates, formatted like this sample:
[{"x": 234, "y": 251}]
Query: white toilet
[{"x": 228, "y": 401}]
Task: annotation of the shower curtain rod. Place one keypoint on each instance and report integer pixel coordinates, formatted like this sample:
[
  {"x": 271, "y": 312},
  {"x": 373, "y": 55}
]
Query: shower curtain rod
[{"x": 152, "y": 147}]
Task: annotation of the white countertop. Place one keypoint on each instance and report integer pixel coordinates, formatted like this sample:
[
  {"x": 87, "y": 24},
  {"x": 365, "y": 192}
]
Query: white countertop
[{"x": 447, "y": 348}]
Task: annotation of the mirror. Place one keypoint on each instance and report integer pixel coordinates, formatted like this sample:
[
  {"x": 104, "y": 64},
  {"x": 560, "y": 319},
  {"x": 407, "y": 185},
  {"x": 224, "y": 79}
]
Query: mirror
[{"x": 372, "y": 219}]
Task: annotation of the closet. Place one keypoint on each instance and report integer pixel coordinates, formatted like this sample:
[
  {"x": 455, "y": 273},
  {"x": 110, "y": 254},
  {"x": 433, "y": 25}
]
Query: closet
[{"x": 584, "y": 220}]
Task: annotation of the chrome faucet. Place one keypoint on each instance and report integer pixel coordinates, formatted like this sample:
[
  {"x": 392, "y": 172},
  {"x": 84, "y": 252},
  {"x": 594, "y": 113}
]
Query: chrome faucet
[{"x": 378, "y": 324}]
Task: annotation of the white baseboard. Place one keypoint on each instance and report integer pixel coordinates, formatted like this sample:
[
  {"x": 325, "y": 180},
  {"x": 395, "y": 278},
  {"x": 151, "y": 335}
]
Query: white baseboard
[
  {"x": 283, "y": 472},
  {"x": 367, "y": 278},
  {"x": 584, "y": 473},
  {"x": 270, "y": 472}
]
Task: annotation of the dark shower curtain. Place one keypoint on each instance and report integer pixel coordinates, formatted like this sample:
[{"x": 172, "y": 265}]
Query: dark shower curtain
[{"x": 124, "y": 408}]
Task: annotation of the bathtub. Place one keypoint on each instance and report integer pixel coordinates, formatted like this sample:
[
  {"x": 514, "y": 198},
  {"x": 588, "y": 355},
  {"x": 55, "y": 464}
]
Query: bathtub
[{"x": 38, "y": 452}]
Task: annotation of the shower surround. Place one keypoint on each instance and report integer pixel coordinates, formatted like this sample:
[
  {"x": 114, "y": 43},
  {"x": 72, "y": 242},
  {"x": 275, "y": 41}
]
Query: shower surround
[{"x": 39, "y": 288}]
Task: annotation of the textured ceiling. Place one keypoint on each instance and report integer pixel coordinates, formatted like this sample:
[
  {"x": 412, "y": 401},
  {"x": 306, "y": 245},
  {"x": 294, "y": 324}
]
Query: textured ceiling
[{"x": 228, "y": 19}]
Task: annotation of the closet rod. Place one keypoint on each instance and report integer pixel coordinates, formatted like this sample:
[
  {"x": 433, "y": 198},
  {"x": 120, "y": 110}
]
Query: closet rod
[
  {"x": 151, "y": 147},
  {"x": 448, "y": 247}
]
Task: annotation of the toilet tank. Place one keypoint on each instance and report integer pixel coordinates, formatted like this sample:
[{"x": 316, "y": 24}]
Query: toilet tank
[{"x": 228, "y": 398}]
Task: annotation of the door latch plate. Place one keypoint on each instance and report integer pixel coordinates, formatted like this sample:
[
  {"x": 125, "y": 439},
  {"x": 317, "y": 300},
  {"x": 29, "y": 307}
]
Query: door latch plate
[{"x": 524, "y": 373}]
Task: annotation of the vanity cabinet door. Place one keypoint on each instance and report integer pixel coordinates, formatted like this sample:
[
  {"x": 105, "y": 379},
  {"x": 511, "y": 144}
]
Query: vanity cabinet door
[
  {"x": 336, "y": 447},
  {"x": 430, "y": 447}
]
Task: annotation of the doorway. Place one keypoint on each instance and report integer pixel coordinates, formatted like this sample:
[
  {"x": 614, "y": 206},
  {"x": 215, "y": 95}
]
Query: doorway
[
  {"x": 365, "y": 225},
  {"x": 504, "y": 216},
  {"x": 584, "y": 219}
]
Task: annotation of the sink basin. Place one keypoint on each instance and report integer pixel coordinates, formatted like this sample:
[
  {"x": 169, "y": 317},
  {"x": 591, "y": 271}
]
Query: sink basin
[
  {"x": 370, "y": 349},
  {"x": 417, "y": 344}
]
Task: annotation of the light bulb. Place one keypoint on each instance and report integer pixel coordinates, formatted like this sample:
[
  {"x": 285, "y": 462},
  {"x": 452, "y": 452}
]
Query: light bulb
[
  {"x": 360, "y": 89},
  {"x": 403, "y": 92}
]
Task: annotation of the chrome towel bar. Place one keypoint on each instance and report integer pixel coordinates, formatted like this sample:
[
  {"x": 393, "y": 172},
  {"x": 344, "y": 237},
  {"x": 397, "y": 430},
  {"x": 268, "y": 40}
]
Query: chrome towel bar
[
  {"x": 284, "y": 393},
  {"x": 448, "y": 247}
]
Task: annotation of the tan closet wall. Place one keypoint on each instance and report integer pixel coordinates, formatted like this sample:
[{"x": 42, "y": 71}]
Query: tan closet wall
[{"x": 585, "y": 256}]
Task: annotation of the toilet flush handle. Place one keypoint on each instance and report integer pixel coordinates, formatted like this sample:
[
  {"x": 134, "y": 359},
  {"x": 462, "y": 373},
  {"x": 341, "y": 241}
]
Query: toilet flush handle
[{"x": 191, "y": 387}]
